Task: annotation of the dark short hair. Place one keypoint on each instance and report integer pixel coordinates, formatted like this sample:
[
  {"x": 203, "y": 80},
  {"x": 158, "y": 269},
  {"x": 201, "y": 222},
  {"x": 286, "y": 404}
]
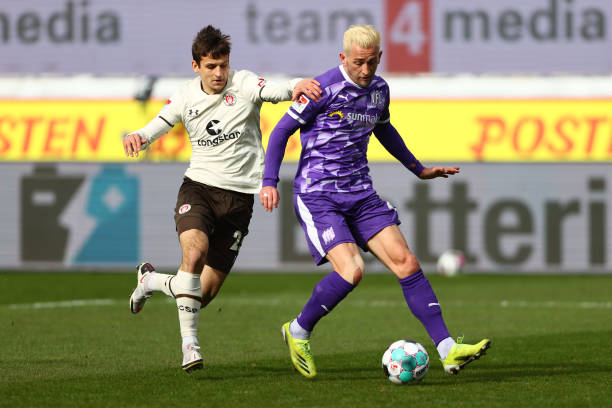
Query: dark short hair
[{"x": 210, "y": 41}]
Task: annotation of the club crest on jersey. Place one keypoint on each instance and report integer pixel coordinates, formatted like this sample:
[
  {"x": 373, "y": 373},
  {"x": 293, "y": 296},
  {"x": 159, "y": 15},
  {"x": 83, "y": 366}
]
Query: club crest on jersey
[
  {"x": 229, "y": 99},
  {"x": 377, "y": 98},
  {"x": 184, "y": 208},
  {"x": 301, "y": 104}
]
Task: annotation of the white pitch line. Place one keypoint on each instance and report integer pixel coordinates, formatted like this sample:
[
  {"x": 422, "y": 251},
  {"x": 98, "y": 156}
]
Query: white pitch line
[
  {"x": 240, "y": 301},
  {"x": 63, "y": 303},
  {"x": 555, "y": 304}
]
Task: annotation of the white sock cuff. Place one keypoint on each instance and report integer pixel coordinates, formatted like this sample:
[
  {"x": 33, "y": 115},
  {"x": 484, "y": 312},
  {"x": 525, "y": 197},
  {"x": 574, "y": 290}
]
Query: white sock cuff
[
  {"x": 445, "y": 346},
  {"x": 190, "y": 340},
  {"x": 180, "y": 273},
  {"x": 298, "y": 331},
  {"x": 187, "y": 283},
  {"x": 156, "y": 281},
  {"x": 188, "y": 294}
]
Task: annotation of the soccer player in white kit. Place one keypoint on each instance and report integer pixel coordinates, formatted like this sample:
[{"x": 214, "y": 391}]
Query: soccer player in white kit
[{"x": 220, "y": 111}]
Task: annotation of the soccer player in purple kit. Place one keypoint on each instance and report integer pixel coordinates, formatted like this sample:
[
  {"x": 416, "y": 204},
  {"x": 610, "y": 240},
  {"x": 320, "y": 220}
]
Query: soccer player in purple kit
[{"x": 337, "y": 205}]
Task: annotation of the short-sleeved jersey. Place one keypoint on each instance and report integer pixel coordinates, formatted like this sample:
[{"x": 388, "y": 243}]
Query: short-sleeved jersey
[
  {"x": 224, "y": 130},
  {"x": 335, "y": 132}
]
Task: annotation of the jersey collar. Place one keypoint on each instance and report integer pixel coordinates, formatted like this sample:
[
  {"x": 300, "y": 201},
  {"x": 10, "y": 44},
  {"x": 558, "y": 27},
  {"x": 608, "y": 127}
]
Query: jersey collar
[{"x": 348, "y": 78}]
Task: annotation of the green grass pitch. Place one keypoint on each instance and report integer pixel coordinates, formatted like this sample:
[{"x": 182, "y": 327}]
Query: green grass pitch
[{"x": 551, "y": 342}]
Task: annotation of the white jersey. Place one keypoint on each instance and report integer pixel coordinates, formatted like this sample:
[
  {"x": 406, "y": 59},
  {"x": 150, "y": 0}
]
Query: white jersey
[{"x": 224, "y": 130}]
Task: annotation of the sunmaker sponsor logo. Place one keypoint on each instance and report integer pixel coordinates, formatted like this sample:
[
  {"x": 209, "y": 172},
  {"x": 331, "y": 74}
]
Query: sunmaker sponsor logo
[{"x": 362, "y": 117}]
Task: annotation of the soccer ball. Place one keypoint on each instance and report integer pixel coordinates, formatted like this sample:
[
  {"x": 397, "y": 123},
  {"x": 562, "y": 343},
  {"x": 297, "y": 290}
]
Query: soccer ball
[
  {"x": 450, "y": 262},
  {"x": 405, "y": 362}
]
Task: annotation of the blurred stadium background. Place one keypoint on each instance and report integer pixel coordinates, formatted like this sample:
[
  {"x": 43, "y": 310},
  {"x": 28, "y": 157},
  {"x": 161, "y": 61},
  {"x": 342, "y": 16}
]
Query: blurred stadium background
[{"x": 516, "y": 92}]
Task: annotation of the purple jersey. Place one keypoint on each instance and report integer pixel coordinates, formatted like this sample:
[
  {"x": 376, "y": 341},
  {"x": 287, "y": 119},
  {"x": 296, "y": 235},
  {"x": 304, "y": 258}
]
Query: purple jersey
[{"x": 335, "y": 132}]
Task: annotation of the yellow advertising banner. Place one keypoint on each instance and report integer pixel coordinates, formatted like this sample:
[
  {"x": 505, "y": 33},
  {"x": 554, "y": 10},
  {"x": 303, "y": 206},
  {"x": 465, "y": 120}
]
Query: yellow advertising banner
[
  {"x": 505, "y": 130},
  {"x": 434, "y": 130},
  {"x": 59, "y": 130}
]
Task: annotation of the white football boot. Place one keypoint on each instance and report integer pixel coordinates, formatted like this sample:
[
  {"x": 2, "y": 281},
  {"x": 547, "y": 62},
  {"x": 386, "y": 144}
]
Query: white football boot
[
  {"x": 139, "y": 295},
  {"x": 192, "y": 359}
]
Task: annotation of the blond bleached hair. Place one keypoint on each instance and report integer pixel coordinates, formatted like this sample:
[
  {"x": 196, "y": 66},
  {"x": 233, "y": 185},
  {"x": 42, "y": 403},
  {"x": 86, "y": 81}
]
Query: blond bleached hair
[{"x": 364, "y": 36}]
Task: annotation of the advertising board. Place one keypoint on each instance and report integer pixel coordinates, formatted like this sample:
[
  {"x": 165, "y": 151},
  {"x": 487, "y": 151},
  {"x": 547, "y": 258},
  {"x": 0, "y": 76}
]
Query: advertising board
[
  {"x": 520, "y": 217},
  {"x": 113, "y": 37},
  {"x": 575, "y": 130}
]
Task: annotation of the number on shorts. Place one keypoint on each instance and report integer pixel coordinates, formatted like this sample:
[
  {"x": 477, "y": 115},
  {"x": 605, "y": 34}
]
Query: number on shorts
[{"x": 238, "y": 235}]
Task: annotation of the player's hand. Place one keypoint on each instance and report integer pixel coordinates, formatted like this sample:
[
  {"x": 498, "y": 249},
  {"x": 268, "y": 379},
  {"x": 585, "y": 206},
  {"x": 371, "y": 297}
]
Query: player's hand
[
  {"x": 433, "y": 172},
  {"x": 309, "y": 87},
  {"x": 269, "y": 198},
  {"x": 132, "y": 144}
]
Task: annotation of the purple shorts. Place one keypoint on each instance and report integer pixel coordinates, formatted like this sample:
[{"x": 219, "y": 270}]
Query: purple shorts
[{"x": 329, "y": 219}]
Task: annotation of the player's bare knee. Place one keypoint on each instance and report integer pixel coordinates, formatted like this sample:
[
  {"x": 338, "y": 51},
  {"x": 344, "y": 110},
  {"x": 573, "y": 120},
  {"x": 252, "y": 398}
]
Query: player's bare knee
[
  {"x": 357, "y": 276},
  {"x": 360, "y": 271},
  {"x": 358, "y": 266},
  {"x": 193, "y": 259},
  {"x": 406, "y": 265}
]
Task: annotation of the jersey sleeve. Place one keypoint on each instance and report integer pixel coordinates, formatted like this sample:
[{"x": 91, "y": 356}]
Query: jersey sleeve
[
  {"x": 385, "y": 116},
  {"x": 260, "y": 89},
  {"x": 305, "y": 109},
  {"x": 169, "y": 115},
  {"x": 250, "y": 84},
  {"x": 394, "y": 144},
  {"x": 276, "y": 149},
  {"x": 277, "y": 91},
  {"x": 172, "y": 111}
]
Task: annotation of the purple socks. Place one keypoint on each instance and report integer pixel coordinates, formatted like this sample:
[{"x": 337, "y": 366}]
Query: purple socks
[
  {"x": 325, "y": 296},
  {"x": 418, "y": 293},
  {"x": 424, "y": 305}
]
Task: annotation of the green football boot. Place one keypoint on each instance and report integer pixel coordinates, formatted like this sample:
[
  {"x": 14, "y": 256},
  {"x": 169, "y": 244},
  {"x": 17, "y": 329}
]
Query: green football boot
[
  {"x": 461, "y": 355},
  {"x": 300, "y": 353}
]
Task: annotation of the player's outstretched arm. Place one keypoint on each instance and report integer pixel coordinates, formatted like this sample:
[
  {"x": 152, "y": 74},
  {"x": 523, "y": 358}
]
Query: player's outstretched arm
[
  {"x": 269, "y": 198},
  {"x": 274, "y": 156},
  {"x": 156, "y": 128},
  {"x": 142, "y": 138},
  {"x": 132, "y": 144},
  {"x": 393, "y": 142},
  {"x": 275, "y": 92},
  {"x": 309, "y": 87},
  {"x": 433, "y": 172}
]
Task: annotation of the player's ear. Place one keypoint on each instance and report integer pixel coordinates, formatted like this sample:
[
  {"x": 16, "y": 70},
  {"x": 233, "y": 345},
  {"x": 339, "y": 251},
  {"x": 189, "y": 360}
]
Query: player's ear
[
  {"x": 379, "y": 55},
  {"x": 343, "y": 58},
  {"x": 195, "y": 66}
]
